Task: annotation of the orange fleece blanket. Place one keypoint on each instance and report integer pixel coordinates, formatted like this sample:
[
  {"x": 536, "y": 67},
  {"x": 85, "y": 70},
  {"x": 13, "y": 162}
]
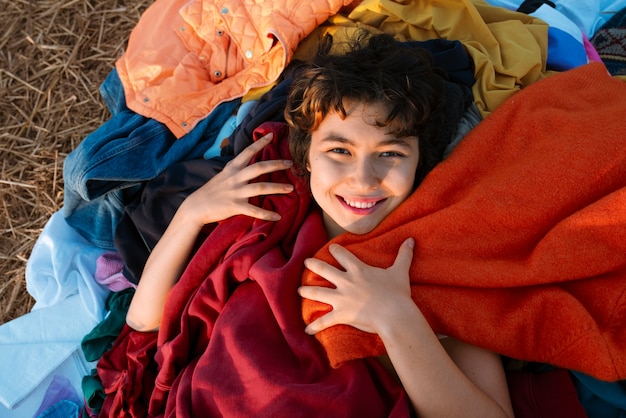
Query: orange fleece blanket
[{"x": 520, "y": 234}]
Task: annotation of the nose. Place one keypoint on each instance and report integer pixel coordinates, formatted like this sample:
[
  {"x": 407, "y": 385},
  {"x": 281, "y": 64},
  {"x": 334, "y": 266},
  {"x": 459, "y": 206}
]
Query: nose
[{"x": 363, "y": 175}]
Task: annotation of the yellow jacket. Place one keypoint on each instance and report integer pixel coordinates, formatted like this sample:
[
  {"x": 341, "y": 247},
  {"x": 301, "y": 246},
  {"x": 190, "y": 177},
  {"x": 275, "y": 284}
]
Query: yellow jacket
[
  {"x": 186, "y": 57},
  {"x": 509, "y": 49}
]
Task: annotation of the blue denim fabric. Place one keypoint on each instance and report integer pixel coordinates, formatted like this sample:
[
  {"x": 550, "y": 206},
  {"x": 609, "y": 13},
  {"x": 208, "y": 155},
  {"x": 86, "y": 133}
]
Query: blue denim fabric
[
  {"x": 108, "y": 168},
  {"x": 112, "y": 92}
]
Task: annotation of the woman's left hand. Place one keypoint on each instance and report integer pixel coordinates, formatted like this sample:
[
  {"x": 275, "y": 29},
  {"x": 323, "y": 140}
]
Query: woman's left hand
[{"x": 364, "y": 296}]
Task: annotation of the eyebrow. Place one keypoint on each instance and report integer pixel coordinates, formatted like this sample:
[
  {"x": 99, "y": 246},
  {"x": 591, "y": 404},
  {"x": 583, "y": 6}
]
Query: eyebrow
[{"x": 403, "y": 142}]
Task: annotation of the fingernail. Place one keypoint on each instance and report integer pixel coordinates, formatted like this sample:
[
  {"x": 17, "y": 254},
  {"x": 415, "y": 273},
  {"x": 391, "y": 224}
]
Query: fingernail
[
  {"x": 411, "y": 243},
  {"x": 288, "y": 187},
  {"x": 288, "y": 163}
]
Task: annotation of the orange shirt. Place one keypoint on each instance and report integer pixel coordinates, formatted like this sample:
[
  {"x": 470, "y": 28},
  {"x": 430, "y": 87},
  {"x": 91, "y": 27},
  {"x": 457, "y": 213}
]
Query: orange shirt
[{"x": 186, "y": 57}]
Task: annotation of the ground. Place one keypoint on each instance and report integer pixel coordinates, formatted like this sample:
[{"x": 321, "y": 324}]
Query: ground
[{"x": 53, "y": 56}]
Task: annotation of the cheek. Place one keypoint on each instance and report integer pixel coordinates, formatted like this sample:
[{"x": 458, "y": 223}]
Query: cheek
[
  {"x": 402, "y": 181},
  {"x": 324, "y": 174},
  {"x": 317, "y": 173}
]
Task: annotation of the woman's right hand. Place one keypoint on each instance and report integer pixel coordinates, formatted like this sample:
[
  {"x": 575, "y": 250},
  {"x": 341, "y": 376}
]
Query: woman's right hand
[
  {"x": 225, "y": 195},
  {"x": 228, "y": 192}
]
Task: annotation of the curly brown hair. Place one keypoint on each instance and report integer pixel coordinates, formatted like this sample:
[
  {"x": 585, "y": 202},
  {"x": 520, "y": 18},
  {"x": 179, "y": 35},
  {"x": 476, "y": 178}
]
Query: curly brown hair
[{"x": 375, "y": 69}]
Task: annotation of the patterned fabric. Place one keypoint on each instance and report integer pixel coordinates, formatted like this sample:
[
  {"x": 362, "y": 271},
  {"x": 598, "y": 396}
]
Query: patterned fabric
[{"x": 610, "y": 42}]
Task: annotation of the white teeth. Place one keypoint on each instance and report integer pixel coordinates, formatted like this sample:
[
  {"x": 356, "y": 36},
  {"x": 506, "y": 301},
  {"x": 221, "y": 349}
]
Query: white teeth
[{"x": 360, "y": 205}]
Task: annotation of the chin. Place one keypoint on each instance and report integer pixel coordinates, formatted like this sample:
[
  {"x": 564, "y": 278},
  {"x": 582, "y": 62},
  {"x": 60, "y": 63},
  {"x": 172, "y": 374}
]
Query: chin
[{"x": 359, "y": 230}]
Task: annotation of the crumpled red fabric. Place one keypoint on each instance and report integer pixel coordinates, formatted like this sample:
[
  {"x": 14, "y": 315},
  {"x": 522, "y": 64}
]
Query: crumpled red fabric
[
  {"x": 520, "y": 234},
  {"x": 232, "y": 341}
]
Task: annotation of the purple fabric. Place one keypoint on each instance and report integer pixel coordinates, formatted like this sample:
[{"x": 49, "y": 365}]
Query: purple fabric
[{"x": 109, "y": 267}]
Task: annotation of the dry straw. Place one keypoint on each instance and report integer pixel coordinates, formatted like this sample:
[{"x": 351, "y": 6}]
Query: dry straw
[{"x": 53, "y": 56}]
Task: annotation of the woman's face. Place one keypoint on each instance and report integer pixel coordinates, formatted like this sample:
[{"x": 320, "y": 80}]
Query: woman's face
[{"x": 359, "y": 173}]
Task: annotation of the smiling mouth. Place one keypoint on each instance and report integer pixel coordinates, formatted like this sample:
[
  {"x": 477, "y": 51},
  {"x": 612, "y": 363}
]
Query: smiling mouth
[{"x": 361, "y": 205}]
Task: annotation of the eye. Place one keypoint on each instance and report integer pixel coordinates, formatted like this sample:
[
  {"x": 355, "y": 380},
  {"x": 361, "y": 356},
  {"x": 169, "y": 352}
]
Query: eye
[
  {"x": 391, "y": 154},
  {"x": 339, "y": 151}
]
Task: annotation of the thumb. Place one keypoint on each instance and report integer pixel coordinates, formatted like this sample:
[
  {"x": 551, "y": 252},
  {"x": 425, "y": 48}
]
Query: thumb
[{"x": 405, "y": 254}]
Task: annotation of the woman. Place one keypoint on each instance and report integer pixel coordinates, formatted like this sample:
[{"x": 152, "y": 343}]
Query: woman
[{"x": 364, "y": 127}]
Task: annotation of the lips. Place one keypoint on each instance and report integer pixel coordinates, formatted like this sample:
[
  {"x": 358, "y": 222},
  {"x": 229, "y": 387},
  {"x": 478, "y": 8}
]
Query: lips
[{"x": 361, "y": 206}]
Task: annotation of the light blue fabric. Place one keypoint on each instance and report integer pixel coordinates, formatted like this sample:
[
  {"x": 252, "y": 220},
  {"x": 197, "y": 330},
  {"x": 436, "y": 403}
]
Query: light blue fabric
[
  {"x": 34, "y": 345},
  {"x": 566, "y": 49},
  {"x": 62, "y": 264},
  {"x": 108, "y": 168},
  {"x": 588, "y": 15},
  {"x": 69, "y": 304},
  {"x": 73, "y": 369},
  {"x": 228, "y": 128}
]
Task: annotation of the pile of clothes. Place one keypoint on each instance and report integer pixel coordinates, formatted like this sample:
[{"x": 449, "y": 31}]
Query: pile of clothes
[{"x": 519, "y": 231}]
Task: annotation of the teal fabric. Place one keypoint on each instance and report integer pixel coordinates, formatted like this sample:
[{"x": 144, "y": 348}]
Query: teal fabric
[
  {"x": 93, "y": 393},
  {"x": 101, "y": 338},
  {"x": 61, "y": 409}
]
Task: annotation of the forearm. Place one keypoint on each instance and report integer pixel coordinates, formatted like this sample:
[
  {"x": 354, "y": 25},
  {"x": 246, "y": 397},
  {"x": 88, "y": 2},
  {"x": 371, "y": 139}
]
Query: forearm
[
  {"x": 163, "y": 268},
  {"x": 433, "y": 381}
]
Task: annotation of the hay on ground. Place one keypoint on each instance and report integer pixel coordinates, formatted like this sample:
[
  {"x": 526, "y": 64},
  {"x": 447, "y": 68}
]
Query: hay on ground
[{"x": 53, "y": 56}]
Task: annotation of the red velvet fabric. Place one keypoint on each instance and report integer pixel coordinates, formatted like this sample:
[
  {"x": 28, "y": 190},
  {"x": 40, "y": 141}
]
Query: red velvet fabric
[
  {"x": 232, "y": 341},
  {"x": 548, "y": 394},
  {"x": 520, "y": 234}
]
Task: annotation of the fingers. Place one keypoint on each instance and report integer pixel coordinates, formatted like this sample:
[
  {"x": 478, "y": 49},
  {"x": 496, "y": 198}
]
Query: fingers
[
  {"x": 317, "y": 293},
  {"x": 356, "y": 287},
  {"x": 259, "y": 213},
  {"x": 260, "y": 168},
  {"x": 320, "y": 324},
  {"x": 245, "y": 156},
  {"x": 320, "y": 294},
  {"x": 343, "y": 256},
  {"x": 259, "y": 189},
  {"x": 244, "y": 171},
  {"x": 350, "y": 262},
  {"x": 250, "y": 151},
  {"x": 266, "y": 188},
  {"x": 322, "y": 269},
  {"x": 240, "y": 175}
]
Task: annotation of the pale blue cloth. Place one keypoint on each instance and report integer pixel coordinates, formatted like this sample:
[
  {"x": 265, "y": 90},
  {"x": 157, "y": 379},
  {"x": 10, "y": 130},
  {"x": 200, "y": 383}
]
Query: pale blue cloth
[
  {"x": 229, "y": 127},
  {"x": 69, "y": 304},
  {"x": 62, "y": 264},
  {"x": 72, "y": 369},
  {"x": 566, "y": 48},
  {"x": 588, "y": 15}
]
